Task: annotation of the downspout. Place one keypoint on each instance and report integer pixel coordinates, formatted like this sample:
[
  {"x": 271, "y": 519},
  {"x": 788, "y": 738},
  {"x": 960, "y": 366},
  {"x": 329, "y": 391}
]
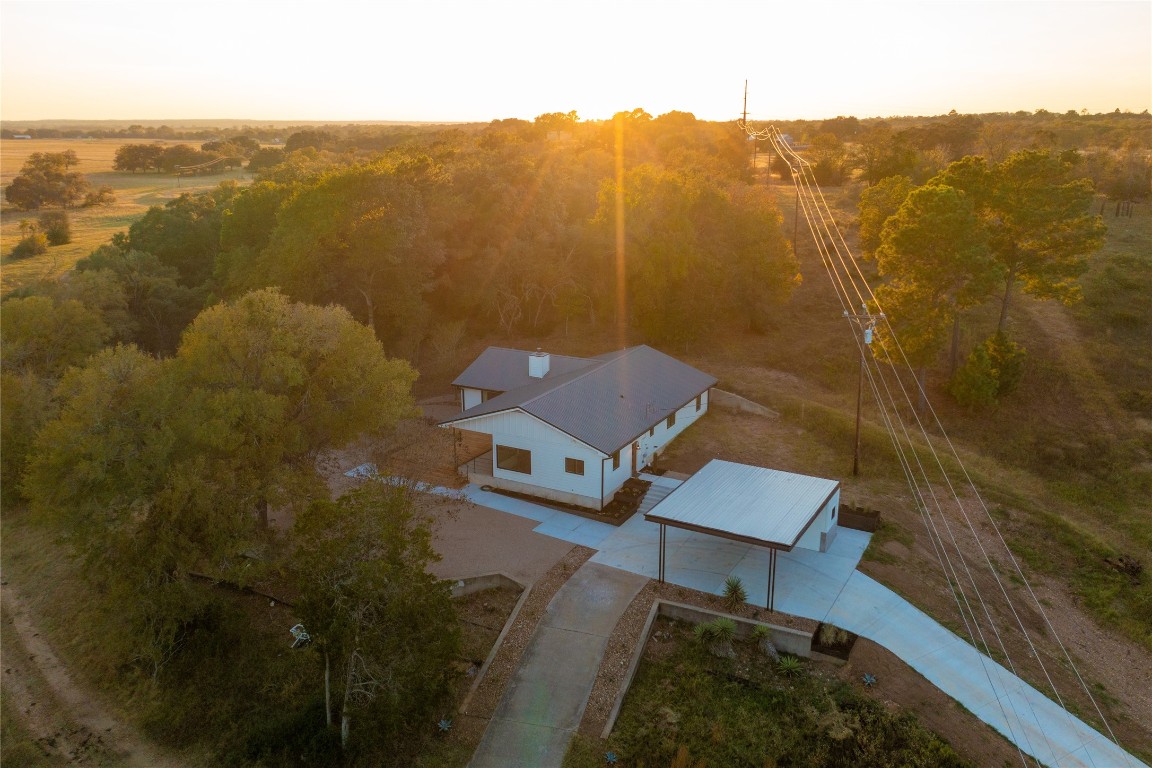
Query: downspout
[{"x": 602, "y": 482}]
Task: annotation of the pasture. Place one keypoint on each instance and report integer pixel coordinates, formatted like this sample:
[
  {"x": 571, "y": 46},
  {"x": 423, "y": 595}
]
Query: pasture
[{"x": 91, "y": 227}]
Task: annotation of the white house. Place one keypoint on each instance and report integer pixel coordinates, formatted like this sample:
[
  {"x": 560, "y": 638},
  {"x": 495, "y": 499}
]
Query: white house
[{"x": 574, "y": 429}]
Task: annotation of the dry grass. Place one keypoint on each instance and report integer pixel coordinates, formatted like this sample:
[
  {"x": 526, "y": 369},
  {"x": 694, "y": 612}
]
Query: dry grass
[{"x": 91, "y": 227}]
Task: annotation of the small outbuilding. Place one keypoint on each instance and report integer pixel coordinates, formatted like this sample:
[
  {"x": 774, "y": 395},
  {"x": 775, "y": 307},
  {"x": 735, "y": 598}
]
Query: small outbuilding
[{"x": 754, "y": 505}]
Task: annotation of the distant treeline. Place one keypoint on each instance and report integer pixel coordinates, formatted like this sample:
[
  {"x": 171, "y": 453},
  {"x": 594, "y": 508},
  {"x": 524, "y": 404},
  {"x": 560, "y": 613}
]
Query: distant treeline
[{"x": 1065, "y": 130}]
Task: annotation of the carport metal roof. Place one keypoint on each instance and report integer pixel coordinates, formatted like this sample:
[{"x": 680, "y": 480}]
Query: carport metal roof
[{"x": 755, "y": 505}]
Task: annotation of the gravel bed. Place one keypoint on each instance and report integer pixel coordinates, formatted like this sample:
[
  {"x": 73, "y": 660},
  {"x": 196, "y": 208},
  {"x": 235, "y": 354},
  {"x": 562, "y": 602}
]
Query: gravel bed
[
  {"x": 491, "y": 690},
  {"x": 622, "y": 642}
]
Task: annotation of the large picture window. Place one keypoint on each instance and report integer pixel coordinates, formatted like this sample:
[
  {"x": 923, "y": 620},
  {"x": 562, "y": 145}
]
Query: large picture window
[
  {"x": 514, "y": 459},
  {"x": 574, "y": 466}
]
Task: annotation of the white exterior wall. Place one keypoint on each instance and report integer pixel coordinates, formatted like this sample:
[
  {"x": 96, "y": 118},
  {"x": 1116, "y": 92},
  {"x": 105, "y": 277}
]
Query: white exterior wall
[
  {"x": 823, "y": 529},
  {"x": 650, "y": 445},
  {"x": 549, "y": 447}
]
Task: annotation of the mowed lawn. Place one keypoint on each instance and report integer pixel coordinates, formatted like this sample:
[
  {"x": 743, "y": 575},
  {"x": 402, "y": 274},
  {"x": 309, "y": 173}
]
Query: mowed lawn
[{"x": 91, "y": 227}]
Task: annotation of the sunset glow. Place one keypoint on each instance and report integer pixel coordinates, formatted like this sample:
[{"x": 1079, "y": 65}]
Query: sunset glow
[{"x": 467, "y": 61}]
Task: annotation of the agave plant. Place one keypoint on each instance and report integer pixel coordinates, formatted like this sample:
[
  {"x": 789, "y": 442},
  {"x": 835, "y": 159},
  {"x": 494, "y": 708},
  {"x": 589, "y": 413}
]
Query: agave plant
[{"x": 789, "y": 666}]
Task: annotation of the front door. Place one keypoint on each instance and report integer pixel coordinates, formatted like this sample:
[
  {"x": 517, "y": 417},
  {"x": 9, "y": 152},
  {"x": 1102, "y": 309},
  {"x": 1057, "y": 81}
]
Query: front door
[{"x": 635, "y": 457}]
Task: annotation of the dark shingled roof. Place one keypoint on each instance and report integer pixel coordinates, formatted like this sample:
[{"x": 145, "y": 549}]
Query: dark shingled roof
[
  {"x": 608, "y": 402},
  {"x": 500, "y": 370}
]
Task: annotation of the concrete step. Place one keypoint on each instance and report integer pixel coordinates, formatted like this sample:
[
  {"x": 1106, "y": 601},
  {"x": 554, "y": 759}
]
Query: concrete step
[{"x": 652, "y": 497}]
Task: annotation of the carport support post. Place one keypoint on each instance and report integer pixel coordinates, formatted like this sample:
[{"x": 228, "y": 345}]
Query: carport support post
[
  {"x": 660, "y": 567},
  {"x": 771, "y": 579}
]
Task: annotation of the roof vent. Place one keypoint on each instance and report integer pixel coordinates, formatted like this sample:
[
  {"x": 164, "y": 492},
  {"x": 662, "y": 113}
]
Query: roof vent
[{"x": 538, "y": 363}]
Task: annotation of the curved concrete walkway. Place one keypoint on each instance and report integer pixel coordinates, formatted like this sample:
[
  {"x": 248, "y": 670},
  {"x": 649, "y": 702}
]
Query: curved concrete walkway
[{"x": 824, "y": 586}]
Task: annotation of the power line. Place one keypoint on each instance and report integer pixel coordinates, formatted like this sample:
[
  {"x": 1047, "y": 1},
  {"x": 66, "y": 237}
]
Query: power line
[{"x": 852, "y": 288}]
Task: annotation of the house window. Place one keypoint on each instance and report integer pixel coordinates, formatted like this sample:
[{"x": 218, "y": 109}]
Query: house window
[
  {"x": 671, "y": 420},
  {"x": 616, "y": 460},
  {"x": 574, "y": 466},
  {"x": 699, "y": 402},
  {"x": 652, "y": 432},
  {"x": 514, "y": 459}
]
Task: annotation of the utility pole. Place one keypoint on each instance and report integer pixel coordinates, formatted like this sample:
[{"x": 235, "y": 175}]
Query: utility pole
[
  {"x": 867, "y": 324},
  {"x": 744, "y": 125}
]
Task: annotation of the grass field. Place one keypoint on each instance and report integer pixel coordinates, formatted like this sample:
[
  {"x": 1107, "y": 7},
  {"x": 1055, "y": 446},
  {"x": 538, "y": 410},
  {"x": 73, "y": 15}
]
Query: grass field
[{"x": 91, "y": 227}]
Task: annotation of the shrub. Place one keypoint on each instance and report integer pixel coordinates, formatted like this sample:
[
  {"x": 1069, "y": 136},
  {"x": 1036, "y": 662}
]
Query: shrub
[
  {"x": 992, "y": 370},
  {"x": 717, "y": 636},
  {"x": 975, "y": 382},
  {"x": 56, "y": 227},
  {"x": 32, "y": 245},
  {"x": 102, "y": 196},
  {"x": 762, "y": 634},
  {"x": 790, "y": 666},
  {"x": 734, "y": 593},
  {"x": 831, "y": 635}
]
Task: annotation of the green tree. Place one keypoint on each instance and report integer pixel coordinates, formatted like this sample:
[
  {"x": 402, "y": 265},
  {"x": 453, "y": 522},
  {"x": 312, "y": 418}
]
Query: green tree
[
  {"x": 992, "y": 370},
  {"x": 315, "y": 139},
  {"x": 183, "y": 234},
  {"x": 1038, "y": 221},
  {"x": 41, "y": 336},
  {"x": 45, "y": 180},
  {"x": 936, "y": 261},
  {"x": 877, "y": 204},
  {"x": 56, "y": 226},
  {"x": 138, "y": 157},
  {"x": 26, "y": 404},
  {"x": 370, "y": 604},
  {"x": 830, "y": 159},
  {"x": 246, "y": 228},
  {"x": 179, "y": 156},
  {"x": 157, "y": 307},
  {"x": 691, "y": 241},
  {"x": 273, "y": 384},
  {"x": 359, "y": 237},
  {"x": 154, "y": 468},
  {"x": 264, "y": 158}
]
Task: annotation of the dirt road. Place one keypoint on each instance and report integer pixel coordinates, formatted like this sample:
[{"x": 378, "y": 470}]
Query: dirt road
[{"x": 64, "y": 720}]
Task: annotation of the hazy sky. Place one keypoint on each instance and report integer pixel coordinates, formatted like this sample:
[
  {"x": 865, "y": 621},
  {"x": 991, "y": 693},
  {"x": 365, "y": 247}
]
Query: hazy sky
[{"x": 478, "y": 60}]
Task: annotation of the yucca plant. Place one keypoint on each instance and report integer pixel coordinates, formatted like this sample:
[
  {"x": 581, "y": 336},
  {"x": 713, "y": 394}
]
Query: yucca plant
[
  {"x": 717, "y": 636},
  {"x": 734, "y": 593}
]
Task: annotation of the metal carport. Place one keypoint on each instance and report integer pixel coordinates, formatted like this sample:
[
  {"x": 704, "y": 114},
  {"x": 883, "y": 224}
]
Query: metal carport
[{"x": 754, "y": 505}]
